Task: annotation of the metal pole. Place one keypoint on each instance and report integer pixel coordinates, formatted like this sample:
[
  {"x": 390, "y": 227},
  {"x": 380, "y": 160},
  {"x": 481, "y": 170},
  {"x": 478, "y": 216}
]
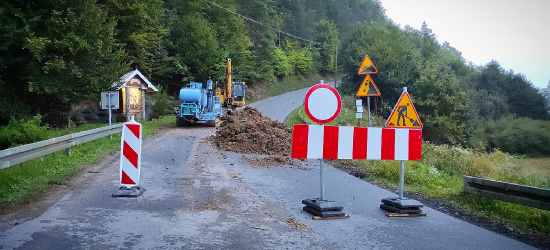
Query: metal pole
[
  {"x": 401, "y": 179},
  {"x": 336, "y": 67},
  {"x": 109, "y": 97},
  {"x": 368, "y": 107},
  {"x": 322, "y": 179}
]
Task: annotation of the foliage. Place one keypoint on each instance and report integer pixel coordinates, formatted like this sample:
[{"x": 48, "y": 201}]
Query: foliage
[
  {"x": 162, "y": 104},
  {"x": 393, "y": 53},
  {"x": 19, "y": 132},
  {"x": 498, "y": 93},
  {"x": 300, "y": 59},
  {"x": 513, "y": 135},
  {"x": 140, "y": 31},
  {"x": 545, "y": 92},
  {"x": 281, "y": 64},
  {"x": 69, "y": 50},
  {"x": 328, "y": 36}
]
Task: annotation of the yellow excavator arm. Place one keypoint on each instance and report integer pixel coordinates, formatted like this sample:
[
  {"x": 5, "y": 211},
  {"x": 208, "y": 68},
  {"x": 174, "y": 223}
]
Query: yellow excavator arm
[{"x": 234, "y": 93}]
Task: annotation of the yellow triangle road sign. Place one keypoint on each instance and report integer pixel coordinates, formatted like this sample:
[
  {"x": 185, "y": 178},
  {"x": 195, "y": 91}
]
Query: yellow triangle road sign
[
  {"x": 367, "y": 67},
  {"x": 368, "y": 88},
  {"x": 404, "y": 114}
]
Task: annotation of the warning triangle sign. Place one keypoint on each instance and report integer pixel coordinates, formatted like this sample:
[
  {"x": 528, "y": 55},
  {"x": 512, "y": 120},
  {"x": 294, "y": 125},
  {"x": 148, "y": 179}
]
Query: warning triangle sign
[
  {"x": 368, "y": 88},
  {"x": 404, "y": 114},
  {"x": 367, "y": 67}
]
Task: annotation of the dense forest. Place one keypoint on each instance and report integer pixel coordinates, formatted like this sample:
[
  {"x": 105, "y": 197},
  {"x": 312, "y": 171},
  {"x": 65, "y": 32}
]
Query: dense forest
[{"x": 56, "y": 53}]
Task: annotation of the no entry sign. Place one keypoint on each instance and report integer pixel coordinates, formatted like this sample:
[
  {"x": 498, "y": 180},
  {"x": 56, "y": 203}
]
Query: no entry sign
[{"x": 322, "y": 103}]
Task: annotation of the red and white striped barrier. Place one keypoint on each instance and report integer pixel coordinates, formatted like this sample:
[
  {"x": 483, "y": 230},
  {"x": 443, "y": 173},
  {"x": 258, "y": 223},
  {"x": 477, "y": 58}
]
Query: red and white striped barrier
[
  {"x": 130, "y": 150},
  {"x": 360, "y": 143}
]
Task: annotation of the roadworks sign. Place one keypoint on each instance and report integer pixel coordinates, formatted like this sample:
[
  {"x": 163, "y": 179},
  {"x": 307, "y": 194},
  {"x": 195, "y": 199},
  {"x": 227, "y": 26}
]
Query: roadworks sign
[
  {"x": 404, "y": 114},
  {"x": 367, "y": 67},
  {"x": 368, "y": 88}
]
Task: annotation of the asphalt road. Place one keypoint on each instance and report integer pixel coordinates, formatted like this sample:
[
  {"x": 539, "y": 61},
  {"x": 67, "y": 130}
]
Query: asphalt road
[{"x": 198, "y": 197}]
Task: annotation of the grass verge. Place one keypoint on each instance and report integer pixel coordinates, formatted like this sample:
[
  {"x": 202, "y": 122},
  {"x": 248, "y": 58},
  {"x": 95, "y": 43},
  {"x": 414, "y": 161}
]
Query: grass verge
[
  {"x": 25, "y": 181},
  {"x": 440, "y": 176}
]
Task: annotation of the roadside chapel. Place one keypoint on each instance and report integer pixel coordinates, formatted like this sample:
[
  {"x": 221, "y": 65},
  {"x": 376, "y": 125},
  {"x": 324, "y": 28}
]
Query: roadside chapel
[{"x": 133, "y": 87}]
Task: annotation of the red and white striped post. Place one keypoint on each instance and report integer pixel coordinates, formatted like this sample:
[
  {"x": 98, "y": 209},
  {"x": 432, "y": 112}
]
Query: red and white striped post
[
  {"x": 130, "y": 160},
  {"x": 130, "y": 153}
]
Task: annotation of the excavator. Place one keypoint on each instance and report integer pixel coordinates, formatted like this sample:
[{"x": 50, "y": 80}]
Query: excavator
[{"x": 232, "y": 94}]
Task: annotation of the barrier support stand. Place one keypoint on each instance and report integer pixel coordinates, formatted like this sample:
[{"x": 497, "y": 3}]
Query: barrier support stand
[
  {"x": 322, "y": 208},
  {"x": 400, "y": 205},
  {"x": 130, "y": 160},
  {"x": 321, "y": 182},
  {"x": 401, "y": 179}
]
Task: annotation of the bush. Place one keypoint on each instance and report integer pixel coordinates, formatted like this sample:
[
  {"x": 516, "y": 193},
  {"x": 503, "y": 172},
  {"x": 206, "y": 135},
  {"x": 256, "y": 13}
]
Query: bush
[
  {"x": 22, "y": 132},
  {"x": 511, "y": 135},
  {"x": 300, "y": 59},
  {"x": 281, "y": 65},
  {"x": 162, "y": 104}
]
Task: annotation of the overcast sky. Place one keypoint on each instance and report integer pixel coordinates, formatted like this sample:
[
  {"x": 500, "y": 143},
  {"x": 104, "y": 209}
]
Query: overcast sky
[{"x": 515, "y": 33}]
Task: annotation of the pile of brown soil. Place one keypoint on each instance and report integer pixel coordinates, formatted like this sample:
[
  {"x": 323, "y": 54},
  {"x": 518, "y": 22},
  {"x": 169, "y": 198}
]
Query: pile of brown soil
[
  {"x": 270, "y": 161},
  {"x": 248, "y": 131}
]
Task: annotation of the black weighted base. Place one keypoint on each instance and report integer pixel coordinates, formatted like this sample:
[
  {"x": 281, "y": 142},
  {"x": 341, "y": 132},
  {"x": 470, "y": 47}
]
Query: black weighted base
[
  {"x": 129, "y": 192},
  {"x": 324, "y": 214},
  {"x": 402, "y": 203},
  {"x": 322, "y": 206},
  {"x": 323, "y": 209},
  {"x": 401, "y": 210}
]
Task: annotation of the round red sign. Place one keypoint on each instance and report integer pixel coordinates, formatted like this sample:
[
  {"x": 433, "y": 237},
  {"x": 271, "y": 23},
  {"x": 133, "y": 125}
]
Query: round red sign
[{"x": 322, "y": 103}]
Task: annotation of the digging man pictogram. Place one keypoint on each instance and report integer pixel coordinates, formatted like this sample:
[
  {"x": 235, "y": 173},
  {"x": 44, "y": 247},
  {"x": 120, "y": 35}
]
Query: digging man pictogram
[{"x": 402, "y": 113}]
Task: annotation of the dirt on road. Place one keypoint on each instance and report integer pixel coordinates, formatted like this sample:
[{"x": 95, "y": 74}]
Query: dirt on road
[{"x": 248, "y": 131}]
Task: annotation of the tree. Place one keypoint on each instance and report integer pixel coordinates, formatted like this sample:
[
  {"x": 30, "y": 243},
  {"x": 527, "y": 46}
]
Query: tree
[
  {"x": 140, "y": 30},
  {"x": 395, "y": 56},
  {"x": 262, "y": 37},
  {"x": 328, "y": 36},
  {"x": 300, "y": 59},
  {"x": 545, "y": 92},
  {"x": 231, "y": 33},
  {"x": 440, "y": 100},
  {"x": 500, "y": 93},
  {"x": 193, "y": 43},
  {"x": 13, "y": 30},
  {"x": 69, "y": 51}
]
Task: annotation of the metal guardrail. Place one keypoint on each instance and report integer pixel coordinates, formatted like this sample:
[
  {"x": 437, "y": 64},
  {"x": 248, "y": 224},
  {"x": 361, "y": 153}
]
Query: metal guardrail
[
  {"x": 300, "y": 116},
  {"x": 519, "y": 194},
  {"x": 13, "y": 156}
]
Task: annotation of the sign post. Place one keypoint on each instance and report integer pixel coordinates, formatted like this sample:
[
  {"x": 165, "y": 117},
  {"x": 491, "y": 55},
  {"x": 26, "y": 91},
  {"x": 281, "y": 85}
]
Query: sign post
[
  {"x": 368, "y": 108},
  {"x": 322, "y": 105},
  {"x": 368, "y": 88},
  {"x": 359, "y": 111},
  {"x": 403, "y": 116},
  {"x": 109, "y": 100}
]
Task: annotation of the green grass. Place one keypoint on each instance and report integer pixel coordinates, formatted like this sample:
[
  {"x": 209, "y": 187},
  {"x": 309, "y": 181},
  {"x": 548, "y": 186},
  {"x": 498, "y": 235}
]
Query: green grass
[
  {"x": 25, "y": 181},
  {"x": 439, "y": 175}
]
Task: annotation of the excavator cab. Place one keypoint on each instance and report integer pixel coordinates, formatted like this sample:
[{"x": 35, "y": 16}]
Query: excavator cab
[
  {"x": 239, "y": 89},
  {"x": 232, "y": 94}
]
